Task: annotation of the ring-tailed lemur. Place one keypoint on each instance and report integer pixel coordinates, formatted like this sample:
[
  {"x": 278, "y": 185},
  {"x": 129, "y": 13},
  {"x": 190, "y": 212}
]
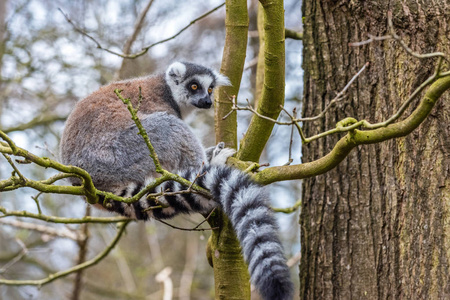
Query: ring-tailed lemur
[{"x": 101, "y": 138}]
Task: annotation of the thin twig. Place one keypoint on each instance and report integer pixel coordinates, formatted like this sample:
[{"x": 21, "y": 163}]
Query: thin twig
[
  {"x": 187, "y": 229},
  {"x": 294, "y": 120},
  {"x": 290, "y": 160},
  {"x": 206, "y": 219},
  {"x": 145, "y": 49},
  {"x": 371, "y": 39},
  {"x": 36, "y": 200},
  {"x": 22, "y": 178},
  {"x": 17, "y": 258}
]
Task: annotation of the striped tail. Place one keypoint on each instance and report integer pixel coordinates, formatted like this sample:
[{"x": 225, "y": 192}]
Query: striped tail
[{"x": 246, "y": 205}]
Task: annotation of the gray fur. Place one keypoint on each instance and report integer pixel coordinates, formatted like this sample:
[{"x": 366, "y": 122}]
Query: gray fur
[{"x": 101, "y": 138}]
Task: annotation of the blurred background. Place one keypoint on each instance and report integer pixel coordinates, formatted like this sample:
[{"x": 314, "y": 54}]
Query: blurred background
[{"x": 46, "y": 66}]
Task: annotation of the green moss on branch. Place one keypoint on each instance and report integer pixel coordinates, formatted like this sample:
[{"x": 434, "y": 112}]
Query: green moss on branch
[
  {"x": 358, "y": 137},
  {"x": 272, "y": 96}
]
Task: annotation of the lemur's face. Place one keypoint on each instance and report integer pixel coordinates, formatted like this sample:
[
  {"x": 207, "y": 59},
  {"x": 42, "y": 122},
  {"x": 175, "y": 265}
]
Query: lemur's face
[
  {"x": 192, "y": 85},
  {"x": 199, "y": 90}
]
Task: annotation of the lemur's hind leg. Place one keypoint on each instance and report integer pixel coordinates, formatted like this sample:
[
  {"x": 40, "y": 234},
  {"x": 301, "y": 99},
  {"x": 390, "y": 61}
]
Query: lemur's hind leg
[{"x": 218, "y": 155}]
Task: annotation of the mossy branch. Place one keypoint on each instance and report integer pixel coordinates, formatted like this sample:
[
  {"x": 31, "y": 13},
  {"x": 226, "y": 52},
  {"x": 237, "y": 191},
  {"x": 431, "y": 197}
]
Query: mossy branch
[
  {"x": 231, "y": 277},
  {"x": 87, "y": 189},
  {"x": 357, "y": 137},
  {"x": 288, "y": 210},
  {"x": 233, "y": 60},
  {"x": 141, "y": 129},
  {"x": 272, "y": 95}
]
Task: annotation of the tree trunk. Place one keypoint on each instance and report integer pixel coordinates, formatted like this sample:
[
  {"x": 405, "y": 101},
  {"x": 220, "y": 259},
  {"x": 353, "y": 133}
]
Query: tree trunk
[{"x": 376, "y": 226}]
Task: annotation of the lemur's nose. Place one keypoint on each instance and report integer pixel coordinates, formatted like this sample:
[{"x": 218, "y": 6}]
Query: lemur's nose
[{"x": 205, "y": 102}]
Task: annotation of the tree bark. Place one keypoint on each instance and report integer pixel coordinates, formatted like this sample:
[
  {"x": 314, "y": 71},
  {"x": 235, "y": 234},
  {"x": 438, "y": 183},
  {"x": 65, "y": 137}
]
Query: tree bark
[
  {"x": 375, "y": 227},
  {"x": 231, "y": 278}
]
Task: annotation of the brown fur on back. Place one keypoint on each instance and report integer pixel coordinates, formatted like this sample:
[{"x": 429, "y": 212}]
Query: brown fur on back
[{"x": 105, "y": 112}]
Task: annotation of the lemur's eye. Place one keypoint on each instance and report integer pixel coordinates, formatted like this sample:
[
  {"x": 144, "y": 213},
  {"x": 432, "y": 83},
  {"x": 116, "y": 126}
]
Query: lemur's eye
[
  {"x": 210, "y": 90},
  {"x": 194, "y": 87}
]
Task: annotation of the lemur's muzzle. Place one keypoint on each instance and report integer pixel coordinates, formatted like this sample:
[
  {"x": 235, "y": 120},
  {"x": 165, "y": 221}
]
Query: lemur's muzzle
[{"x": 204, "y": 102}]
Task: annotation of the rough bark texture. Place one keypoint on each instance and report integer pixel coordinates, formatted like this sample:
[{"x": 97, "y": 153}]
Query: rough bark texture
[{"x": 376, "y": 227}]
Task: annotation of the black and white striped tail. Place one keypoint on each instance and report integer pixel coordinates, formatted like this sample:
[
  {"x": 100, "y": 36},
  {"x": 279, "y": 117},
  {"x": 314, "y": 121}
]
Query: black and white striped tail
[{"x": 246, "y": 204}]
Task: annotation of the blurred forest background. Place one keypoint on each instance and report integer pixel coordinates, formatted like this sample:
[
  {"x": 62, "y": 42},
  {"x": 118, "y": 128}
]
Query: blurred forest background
[{"x": 46, "y": 66}]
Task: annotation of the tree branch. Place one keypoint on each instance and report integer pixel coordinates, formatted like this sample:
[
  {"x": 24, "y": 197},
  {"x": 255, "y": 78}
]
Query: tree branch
[
  {"x": 233, "y": 61},
  {"x": 132, "y": 38},
  {"x": 62, "y": 232},
  {"x": 292, "y": 34},
  {"x": 87, "y": 264},
  {"x": 53, "y": 219},
  {"x": 357, "y": 137},
  {"x": 145, "y": 49},
  {"x": 41, "y": 120},
  {"x": 272, "y": 96}
]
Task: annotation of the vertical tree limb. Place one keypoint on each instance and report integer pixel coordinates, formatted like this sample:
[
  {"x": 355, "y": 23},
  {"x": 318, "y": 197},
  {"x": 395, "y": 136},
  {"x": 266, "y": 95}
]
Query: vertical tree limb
[
  {"x": 272, "y": 95},
  {"x": 234, "y": 52},
  {"x": 260, "y": 66},
  {"x": 82, "y": 252},
  {"x": 230, "y": 271}
]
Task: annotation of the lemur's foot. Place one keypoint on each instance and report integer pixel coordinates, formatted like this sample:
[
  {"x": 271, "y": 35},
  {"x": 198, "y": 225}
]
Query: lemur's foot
[{"x": 218, "y": 155}]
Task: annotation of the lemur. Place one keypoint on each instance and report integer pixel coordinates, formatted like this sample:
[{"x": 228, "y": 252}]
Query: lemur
[{"x": 101, "y": 138}]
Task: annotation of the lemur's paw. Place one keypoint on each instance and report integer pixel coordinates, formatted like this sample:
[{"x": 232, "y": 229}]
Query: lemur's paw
[{"x": 220, "y": 154}]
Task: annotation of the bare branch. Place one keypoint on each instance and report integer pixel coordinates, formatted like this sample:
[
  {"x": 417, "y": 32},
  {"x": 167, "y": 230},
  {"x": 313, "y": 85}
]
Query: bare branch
[
  {"x": 87, "y": 264},
  {"x": 41, "y": 120},
  {"x": 87, "y": 189},
  {"x": 196, "y": 228},
  {"x": 371, "y": 39},
  {"x": 17, "y": 258},
  {"x": 82, "y": 253},
  {"x": 53, "y": 219},
  {"x": 132, "y": 38},
  {"x": 395, "y": 36},
  {"x": 22, "y": 178},
  {"x": 61, "y": 232},
  {"x": 187, "y": 229},
  {"x": 137, "y": 28},
  {"x": 145, "y": 49}
]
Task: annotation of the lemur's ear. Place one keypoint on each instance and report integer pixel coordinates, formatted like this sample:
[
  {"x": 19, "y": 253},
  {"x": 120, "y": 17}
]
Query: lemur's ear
[
  {"x": 221, "y": 80},
  {"x": 176, "y": 72}
]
